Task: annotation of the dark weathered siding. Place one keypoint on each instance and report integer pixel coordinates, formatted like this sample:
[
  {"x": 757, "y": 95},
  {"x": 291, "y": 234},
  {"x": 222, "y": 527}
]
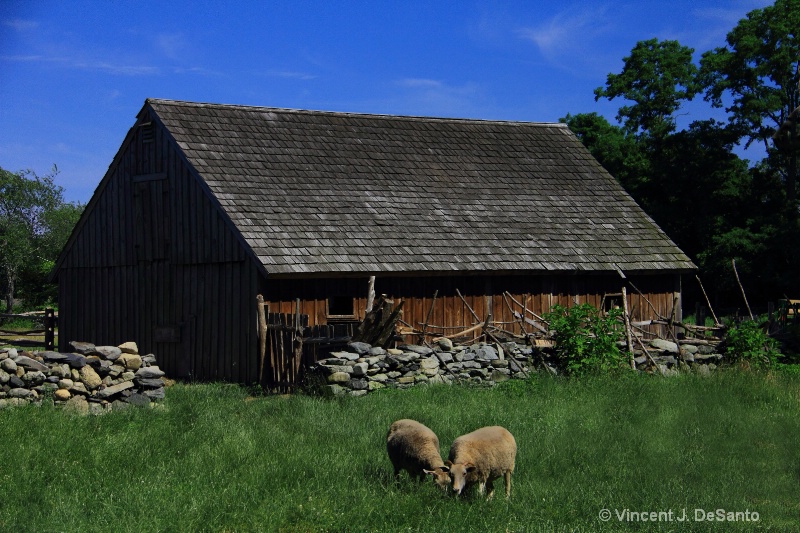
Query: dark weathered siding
[{"x": 155, "y": 262}]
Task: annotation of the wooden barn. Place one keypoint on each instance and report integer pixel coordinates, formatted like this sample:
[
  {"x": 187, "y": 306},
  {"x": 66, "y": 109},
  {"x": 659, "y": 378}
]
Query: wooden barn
[{"x": 206, "y": 206}]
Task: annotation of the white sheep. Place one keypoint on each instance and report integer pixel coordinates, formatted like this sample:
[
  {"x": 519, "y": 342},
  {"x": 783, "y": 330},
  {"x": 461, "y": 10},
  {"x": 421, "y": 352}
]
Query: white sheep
[
  {"x": 414, "y": 447},
  {"x": 481, "y": 457}
]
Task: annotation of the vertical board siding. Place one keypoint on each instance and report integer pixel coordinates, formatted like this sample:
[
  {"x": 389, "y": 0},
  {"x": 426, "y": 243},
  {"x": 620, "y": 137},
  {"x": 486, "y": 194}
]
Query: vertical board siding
[
  {"x": 450, "y": 314},
  {"x": 155, "y": 255}
]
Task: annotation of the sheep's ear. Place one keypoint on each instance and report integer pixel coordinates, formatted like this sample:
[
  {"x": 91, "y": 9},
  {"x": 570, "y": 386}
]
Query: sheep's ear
[
  {"x": 448, "y": 462},
  {"x": 429, "y": 472},
  {"x": 470, "y": 467},
  {"x": 444, "y": 468}
]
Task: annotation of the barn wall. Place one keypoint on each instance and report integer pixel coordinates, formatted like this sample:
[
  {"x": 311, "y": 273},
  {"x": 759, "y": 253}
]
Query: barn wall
[
  {"x": 484, "y": 294},
  {"x": 154, "y": 262}
]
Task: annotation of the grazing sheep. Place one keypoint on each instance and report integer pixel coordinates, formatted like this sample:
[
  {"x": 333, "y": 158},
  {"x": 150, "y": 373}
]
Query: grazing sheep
[
  {"x": 481, "y": 457},
  {"x": 413, "y": 447}
]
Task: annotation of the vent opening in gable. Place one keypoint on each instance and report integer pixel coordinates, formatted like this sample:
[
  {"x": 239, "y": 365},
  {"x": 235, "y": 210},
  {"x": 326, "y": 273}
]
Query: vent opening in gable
[{"x": 148, "y": 132}]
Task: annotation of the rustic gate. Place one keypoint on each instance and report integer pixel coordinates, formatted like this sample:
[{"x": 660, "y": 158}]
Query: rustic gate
[{"x": 287, "y": 346}]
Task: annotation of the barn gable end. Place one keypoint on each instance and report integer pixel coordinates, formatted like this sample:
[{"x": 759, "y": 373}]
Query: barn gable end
[{"x": 154, "y": 259}]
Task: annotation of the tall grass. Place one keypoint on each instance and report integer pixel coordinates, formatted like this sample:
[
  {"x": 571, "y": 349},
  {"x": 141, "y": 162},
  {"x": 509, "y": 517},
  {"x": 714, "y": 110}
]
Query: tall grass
[{"x": 215, "y": 459}]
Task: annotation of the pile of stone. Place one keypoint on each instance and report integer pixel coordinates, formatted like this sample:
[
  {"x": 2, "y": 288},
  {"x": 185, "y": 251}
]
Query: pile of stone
[
  {"x": 363, "y": 368},
  {"x": 670, "y": 358},
  {"x": 91, "y": 379}
]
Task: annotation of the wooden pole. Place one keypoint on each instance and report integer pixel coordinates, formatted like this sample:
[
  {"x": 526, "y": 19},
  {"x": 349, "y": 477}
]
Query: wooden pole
[
  {"x": 733, "y": 262},
  {"x": 427, "y": 318},
  {"x": 370, "y": 294},
  {"x": 49, "y": 329},
  {"x": 262, "y": 336},
  {"x": 628, "y": 326},
  {"x": 716, "y": 320}
]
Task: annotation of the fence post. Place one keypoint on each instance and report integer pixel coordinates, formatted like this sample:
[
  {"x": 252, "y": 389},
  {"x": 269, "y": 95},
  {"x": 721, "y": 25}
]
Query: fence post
[{"x": 49, "y": 329}]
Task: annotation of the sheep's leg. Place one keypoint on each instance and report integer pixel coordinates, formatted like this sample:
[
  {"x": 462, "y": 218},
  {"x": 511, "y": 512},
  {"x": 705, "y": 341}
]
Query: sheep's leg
[
  {"x": 481, "y": 487},
  {"x": 490, "y": 488},
  {"x": 508, "y": 483}
]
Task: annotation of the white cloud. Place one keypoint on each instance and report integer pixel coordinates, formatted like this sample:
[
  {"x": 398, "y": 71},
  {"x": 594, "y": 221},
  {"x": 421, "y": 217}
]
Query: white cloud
[
  {"x": 570, "y": 39},
  {"x": 423, "y": 96},
  {"x": 289, "y": 74},
  {"x": 21, "y": 25},
  {"x": 170, "y": 44},
  {"x": 74, "y": 63}
]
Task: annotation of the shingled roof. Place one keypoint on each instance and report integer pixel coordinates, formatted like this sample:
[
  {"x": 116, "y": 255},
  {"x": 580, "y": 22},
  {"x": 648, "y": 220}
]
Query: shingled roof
[{"x": 321, "y": 192}]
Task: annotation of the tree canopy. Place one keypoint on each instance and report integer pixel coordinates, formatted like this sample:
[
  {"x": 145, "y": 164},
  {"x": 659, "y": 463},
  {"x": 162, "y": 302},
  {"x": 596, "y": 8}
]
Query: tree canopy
[
  {"x": 35, "y": 222},
  {"x": 709, "y": 200}
]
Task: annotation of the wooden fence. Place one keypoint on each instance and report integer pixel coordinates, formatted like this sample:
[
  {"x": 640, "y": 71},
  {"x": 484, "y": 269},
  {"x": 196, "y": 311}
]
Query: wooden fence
[
  {"x": 288, "y": 346},
  {"x": 42, "y": 335}
]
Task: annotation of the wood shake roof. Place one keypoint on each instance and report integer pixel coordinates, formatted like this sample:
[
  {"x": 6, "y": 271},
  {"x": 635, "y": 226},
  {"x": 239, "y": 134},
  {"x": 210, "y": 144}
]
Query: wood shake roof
[{"x": 321, "y": 192}]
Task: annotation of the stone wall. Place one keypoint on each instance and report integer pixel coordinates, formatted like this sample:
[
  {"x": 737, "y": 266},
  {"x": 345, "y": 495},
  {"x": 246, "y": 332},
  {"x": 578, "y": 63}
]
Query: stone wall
[
  {"x": 91, "y": 379},
  {"x": 363, "y": 368}
]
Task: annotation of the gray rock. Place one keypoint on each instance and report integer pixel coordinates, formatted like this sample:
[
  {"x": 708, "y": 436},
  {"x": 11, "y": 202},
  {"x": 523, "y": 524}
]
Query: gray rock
[
  {"x": 360, "y": 348},
  {"x": 376, "y": 351},
  {"x": 665, "y": 346},
  {"x": 421, "y": 350},
  {"x": 82, "y": 348},
  {"x": 359, "y": 384},
  {"x": 486, "y": 353},
  {"x": 114, "y": 389},
  {"x": 153, "y": 383},
  {"x": 381, "y": 378},
  {"x": 155, "y": 394},
  {"x": 21, "y": 392},
  {"x": 357, "y": 393},
  {"x": 429, "y": 363},
  {"x": 445, "y": 357},
  {"x": 360, "y": 369},
  {"x": 75, "y": 360},
  {"x": 149, "y": 372},
  {"x": 79, "y": 389},
  {"x": 53, "y": 357},
  {"x": 34, "y": 377},
  {"x": 15, "y": 382},
  {"x": 31, "y": 364},
  {"x": 111, "y": 353},
  {"x": 445, "y": 344},
  {"x": 8, "y": 365},
  {"x": 4, "y": 377},
  {"x": 346, "y": 355},
  {"x": 140, "y": 400}
]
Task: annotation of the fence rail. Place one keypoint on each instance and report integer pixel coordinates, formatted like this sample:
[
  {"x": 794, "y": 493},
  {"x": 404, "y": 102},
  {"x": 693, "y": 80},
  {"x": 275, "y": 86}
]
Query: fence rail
[{"x": 31, "y": 337}]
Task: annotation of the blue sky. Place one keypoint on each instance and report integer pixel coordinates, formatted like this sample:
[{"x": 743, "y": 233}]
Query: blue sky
[{"x": 73, "y": 75}]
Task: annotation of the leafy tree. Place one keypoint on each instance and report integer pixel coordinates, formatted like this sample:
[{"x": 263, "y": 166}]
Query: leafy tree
[
  {"x": 755, "y": 77},
  {"x": 657, "y": 77},
  {"x": 35, "y": 222}
]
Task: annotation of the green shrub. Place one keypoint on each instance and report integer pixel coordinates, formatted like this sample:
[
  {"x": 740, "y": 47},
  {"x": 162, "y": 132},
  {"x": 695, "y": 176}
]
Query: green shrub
[
  {"x": 586, "y": 339},
  {"x": 747, "y": 342}
]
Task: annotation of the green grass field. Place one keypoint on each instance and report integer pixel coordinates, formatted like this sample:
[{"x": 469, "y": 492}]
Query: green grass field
[{"x": 215, "y": 459}]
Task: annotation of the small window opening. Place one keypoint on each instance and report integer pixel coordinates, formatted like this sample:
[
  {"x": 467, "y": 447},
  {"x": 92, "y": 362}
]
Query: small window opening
[
  {"x": 148, "y": 132},
  {"x": 341, "y": 307},
  {"x": 612, "y": 301}
]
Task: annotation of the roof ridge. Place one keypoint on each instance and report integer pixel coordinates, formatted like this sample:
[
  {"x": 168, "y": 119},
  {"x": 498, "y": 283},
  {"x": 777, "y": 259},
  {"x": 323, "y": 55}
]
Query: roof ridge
[{"x": 288, "y": 110}]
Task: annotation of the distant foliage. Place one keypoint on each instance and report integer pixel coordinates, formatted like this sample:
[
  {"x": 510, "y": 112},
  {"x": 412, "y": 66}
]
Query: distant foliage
[
  {"x": 748, "y": 343},
  {"x": 586, "y": 339}
]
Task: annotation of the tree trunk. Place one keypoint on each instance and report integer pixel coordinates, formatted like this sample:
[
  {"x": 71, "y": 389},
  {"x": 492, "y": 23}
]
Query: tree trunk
[{"x": 11, "y": 277}]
